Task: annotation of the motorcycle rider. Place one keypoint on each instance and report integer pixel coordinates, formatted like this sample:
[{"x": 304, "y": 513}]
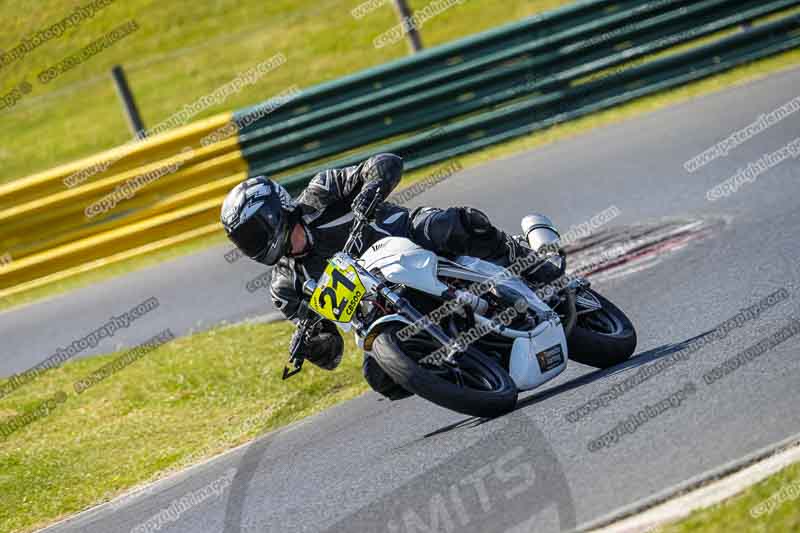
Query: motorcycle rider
[{"x": 298, "y": 237}]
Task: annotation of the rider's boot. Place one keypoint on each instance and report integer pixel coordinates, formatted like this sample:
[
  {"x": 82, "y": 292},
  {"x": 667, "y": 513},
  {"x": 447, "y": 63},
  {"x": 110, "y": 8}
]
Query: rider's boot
[
  {"x": 540, "y": 237},
  {"x": 541, "y": 273}
]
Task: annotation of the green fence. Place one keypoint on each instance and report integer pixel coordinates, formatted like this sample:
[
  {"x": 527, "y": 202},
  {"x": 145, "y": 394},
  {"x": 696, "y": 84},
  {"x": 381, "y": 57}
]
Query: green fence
[{"x": 432, "y": 106}]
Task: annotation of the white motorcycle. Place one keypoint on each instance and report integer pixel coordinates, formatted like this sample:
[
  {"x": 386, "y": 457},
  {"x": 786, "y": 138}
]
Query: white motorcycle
[{"x": 465, "y": 334}]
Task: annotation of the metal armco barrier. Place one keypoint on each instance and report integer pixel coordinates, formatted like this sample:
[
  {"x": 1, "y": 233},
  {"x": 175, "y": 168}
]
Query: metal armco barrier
[{"x": 429, "y": 107}]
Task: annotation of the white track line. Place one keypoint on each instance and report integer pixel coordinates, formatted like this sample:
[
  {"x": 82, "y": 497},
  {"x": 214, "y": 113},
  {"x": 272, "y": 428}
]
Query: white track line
[{"x": 707, "y": 495}]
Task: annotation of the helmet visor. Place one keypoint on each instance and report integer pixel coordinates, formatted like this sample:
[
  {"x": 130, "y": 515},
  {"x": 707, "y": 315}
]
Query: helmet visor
[
  {"x": 252, "y": 237},
  {"x": 278, "y": 245}
]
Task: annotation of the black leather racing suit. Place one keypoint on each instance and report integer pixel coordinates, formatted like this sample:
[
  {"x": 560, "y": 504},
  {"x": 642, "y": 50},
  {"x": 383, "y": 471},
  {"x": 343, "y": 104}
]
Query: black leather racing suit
[{"x": 324, "y": 208}]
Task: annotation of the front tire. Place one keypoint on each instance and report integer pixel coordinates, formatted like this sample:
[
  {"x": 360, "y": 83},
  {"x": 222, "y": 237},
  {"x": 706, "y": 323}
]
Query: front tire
[
  {"x": 602, "y": 338},
  {"x": 486, "y": 390}
]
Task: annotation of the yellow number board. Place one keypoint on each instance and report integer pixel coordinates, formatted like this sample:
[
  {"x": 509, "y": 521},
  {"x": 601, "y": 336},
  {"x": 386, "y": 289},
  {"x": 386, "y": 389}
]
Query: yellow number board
[{"x": 337, "y": 294}]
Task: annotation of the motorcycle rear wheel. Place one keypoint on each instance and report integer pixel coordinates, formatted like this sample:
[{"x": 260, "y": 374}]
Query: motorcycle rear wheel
[
  {"x": 484, "y": 390},
  {"x": 603, "y": 338}
]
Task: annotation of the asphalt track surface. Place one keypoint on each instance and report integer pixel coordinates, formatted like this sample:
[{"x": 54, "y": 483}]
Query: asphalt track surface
[{"x": 372, "y": 465}]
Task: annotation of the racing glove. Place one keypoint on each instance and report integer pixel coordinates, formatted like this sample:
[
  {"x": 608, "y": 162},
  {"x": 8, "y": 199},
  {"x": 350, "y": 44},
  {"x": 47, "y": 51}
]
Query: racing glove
[
  {"x": 321, "y": 344},
  {"x": 364, "y": 199}
]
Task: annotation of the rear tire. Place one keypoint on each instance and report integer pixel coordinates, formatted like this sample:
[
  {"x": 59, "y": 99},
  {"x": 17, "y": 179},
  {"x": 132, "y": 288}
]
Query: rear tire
[
  {"x": 497, "y": 396},
  {"x": 603, "y": 338}
]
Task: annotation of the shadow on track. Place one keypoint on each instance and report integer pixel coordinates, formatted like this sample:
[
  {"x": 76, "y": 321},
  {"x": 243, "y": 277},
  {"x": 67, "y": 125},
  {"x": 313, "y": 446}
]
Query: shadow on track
[{"x": 634, "y": 362}]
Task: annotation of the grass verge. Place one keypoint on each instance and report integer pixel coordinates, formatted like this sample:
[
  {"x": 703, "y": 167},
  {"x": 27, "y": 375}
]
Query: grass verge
[
  {"x": 184, "y": 50},
  {"x": 215, "y": 389},
  {"x": 767, "y": 507}
]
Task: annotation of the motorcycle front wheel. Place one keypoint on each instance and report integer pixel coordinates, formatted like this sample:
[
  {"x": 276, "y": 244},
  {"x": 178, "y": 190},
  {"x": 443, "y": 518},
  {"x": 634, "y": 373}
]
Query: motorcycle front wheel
[{"x": 479, "y": 387}]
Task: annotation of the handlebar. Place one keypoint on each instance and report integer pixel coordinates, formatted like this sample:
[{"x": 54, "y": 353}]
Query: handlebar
[
  {"x": 360, "y": 222},
  {"x": 295, "y": 357}
]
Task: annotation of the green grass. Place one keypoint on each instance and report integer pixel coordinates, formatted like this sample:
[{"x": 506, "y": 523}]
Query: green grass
[
  {"x": 63, "y": 463},
  {"x": 215, "y": 389},
  {"x": 184, "y": 50},
  {"x": 734, "y": 515}
]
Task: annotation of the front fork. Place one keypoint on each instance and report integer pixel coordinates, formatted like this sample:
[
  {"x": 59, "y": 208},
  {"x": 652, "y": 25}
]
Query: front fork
[{"x": 404, "y": 308}]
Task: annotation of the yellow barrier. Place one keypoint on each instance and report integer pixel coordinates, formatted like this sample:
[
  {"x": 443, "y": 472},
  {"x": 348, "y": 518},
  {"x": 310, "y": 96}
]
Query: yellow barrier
[
  {"x": 111, "y": 242},
  {"x": 125, "y": 157},
  {"x": 163, "y": 195},
  {"x": 61, "y": 275},
  {"x": 28, "y": 228}
]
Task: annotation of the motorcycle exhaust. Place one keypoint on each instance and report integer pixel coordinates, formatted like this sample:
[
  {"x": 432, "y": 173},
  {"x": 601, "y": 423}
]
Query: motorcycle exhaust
[{"x": 541, "y": 233}]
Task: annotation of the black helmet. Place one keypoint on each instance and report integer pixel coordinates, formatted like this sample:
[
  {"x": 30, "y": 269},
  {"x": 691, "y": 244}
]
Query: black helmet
[{"x": 256, "y": 215}]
